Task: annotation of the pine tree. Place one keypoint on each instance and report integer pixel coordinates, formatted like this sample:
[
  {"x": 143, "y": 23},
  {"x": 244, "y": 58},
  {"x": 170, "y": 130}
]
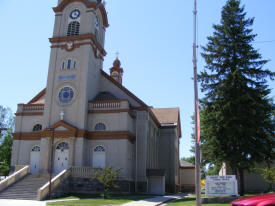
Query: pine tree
[{"x": 236, "y": 110}]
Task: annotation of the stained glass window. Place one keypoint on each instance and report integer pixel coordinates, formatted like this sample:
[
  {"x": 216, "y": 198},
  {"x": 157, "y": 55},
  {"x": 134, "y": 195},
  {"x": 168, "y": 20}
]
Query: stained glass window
[
  {"x": 36, "y": 149},
  {"x": 37, "y": 127},
  {"x": 99, "y": 149},
  {"x": 100, "y": 127},
  {"x": 63, "y": 146},
  {"x": 66, "y": 95}
]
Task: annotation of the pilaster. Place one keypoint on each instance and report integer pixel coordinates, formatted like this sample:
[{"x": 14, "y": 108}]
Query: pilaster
[
  {"x": 44, "y": 161},
  {"x": 71, "y": 151}
]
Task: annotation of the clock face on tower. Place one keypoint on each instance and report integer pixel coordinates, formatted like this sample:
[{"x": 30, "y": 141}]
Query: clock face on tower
[{"x": 75, "y": 14}]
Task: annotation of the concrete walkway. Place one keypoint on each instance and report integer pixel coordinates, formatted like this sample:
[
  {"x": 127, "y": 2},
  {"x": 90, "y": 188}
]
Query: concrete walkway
[
  {"x": 4, "y": 202},
  {"x": 155, "y": 201}
]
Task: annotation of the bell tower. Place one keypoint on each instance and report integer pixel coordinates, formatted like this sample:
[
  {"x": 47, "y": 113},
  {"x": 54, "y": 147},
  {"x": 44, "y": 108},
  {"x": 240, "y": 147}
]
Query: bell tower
[{"x": 77, "y": 52}]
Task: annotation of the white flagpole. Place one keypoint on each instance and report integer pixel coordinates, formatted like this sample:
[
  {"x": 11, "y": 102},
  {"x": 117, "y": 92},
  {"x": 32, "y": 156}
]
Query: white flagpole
[{"x": 197, "y": 146}]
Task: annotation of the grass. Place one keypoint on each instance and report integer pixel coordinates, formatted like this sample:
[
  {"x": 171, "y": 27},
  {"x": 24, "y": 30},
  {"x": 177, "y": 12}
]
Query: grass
[
  {"x": 190, "y": 201},
  {"x": 96, "y": 200}
]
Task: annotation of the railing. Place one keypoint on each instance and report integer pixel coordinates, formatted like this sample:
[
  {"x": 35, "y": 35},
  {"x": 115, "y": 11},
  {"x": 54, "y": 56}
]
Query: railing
[
  {"x": 104, "y": 105},
  {"x": 43, "y": 192},
  {"x": 84, "y": 172},
  {"x": 18, "y": 167},
  {"x": 35, "y": 107},
  {"x": 14, "y": 177},
  {"x": 88, "y": 172}
]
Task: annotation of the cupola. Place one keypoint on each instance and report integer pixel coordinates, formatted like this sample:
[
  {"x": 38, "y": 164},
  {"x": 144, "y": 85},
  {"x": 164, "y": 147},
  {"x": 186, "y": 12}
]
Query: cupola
[{"x": 116, "y": 72}]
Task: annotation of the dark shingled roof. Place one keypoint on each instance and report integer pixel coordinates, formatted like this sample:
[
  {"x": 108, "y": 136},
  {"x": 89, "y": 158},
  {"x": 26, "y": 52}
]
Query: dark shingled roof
[{"x": 105, "y": 96}]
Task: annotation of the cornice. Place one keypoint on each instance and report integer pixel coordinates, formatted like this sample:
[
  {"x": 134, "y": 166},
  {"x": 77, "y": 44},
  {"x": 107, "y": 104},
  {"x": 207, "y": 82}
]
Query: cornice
[
  {"x": 92, "y": 5},
  {"x": 112, "y": 135},
  {"x": 65, "y": 39},
  {"x": 29, "y": 114}
]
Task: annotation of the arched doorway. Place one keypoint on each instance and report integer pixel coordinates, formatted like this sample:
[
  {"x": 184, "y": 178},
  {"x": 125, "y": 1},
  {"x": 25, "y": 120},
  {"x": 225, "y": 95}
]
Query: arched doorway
[
  {"x": 34, "y": 159},
  {"x": 99, "y": 157},
  {"x": 61, "y": 157}
]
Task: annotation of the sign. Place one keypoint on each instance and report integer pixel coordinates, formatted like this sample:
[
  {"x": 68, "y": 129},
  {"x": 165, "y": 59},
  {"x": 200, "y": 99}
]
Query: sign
[
  {"x": 69, "y": 77},
  {"x": 221, "y": 185}
]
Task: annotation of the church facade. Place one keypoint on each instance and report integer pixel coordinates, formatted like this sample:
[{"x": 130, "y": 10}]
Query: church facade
[{"x": 86, "y": 117}]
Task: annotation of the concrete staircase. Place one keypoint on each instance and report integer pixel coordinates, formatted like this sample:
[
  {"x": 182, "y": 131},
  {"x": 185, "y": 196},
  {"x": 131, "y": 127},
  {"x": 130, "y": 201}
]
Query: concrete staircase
[{"x": 24, "y": 189}]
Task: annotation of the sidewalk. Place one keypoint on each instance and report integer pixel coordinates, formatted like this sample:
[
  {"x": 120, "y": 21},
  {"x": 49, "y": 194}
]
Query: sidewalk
[
  {"x": 155, "y": 201},
  {"x": 4, "y": 202}
]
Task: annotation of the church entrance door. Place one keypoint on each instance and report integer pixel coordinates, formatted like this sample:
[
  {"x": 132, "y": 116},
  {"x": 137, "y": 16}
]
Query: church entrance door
[
  {"x": 34, "y": 159},
  {"x": 61, "y": 157}
]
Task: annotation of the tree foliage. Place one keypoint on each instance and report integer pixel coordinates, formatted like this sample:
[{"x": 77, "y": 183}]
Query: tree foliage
[
  {"x": 269, "y": 176},
  {"x": 107, "y": 177},
  {"x": 236, "y": 115},
  {"x": 7, "y": 122}
]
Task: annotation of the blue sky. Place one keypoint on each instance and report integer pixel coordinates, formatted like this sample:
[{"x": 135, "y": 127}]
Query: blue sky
[{"x": 154, "y": 39}]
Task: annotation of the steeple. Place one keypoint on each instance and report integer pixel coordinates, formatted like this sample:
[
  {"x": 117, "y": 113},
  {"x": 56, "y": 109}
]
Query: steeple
[{"x": 116, "y": 72}]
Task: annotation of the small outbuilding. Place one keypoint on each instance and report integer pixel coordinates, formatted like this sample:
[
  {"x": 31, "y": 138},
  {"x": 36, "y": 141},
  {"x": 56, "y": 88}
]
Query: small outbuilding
[{"x": 187, "y": 177}]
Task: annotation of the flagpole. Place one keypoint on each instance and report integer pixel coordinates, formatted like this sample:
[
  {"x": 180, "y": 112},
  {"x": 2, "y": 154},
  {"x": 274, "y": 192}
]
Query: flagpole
[{"x": 197, "y": 145}]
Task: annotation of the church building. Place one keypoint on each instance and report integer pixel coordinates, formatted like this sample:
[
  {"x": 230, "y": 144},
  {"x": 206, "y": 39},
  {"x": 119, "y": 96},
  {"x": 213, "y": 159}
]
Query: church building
[{"x": 85, "y": 117}]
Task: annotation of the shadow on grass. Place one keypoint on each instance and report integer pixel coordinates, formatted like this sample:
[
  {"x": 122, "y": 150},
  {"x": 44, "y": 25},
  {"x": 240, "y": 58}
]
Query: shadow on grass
[{"x": 84, "y": 196}]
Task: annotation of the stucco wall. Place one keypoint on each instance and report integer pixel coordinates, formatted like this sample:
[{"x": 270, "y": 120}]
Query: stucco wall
[
  {"x": 113, "y": 121},
  {"x": 21, "y": 151},
  {"x": 187, "y": 177},
  {"x": 26, "y": 123},
  {"x": 117, "y": 154}
]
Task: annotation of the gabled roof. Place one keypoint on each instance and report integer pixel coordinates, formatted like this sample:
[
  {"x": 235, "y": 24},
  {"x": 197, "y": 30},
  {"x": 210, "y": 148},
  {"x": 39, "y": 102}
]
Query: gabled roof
[
  {"x": 39, "y": 98},
  {"x": 168, "y": 117},
  {"x": 64, "y": 124},
  {"x": 104, "y": 74},
  {"x": 185, "y": 164}
]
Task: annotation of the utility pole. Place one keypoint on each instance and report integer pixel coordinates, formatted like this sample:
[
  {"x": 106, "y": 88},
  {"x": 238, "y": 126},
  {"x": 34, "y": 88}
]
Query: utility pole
[{"x": 197, "y": 145}]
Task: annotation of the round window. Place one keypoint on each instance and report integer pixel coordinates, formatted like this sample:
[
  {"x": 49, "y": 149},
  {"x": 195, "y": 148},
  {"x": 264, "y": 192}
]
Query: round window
[{"x": 66, "y": 95}]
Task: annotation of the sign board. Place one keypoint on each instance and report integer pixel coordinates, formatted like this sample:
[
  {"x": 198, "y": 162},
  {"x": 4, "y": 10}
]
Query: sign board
[
  {"x": 68, "y": 77},
  {"x": 221, "y": 185}
]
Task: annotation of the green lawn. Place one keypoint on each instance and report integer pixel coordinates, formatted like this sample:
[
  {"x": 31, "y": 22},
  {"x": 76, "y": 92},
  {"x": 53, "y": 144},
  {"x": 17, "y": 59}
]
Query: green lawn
[
  {"x": 98, "y": 200},
  {"x": 189, "y": 201}
]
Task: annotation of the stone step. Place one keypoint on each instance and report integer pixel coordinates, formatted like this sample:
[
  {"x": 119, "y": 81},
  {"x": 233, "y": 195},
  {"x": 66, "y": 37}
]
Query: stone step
[{"x": 25, "y": 189}]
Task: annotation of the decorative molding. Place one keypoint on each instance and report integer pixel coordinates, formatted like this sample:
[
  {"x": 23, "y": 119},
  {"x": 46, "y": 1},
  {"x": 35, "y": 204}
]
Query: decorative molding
[
  {"x": 80, "y": 133},
  {"x": 27, "y": 136},
  {"x": 110, "y": 101},
  {"x": 65, "y": 39},
  {"x": 111, "y": 135},
  {"x": 89, "y": 5},
  {"x": 29, "y": 114},
  {"x": 108, "y": 111}
]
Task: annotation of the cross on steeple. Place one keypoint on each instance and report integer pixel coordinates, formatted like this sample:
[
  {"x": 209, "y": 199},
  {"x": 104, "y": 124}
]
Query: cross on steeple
[{"x": 117, "y": 53}]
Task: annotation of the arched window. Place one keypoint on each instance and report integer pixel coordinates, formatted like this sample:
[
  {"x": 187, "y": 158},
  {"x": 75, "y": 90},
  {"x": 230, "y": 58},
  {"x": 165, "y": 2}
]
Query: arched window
[
  {"x": 37, "y": 127},
  {"x": 100, "y": 127},
  {"x": 99, "y": 149},
  {"x": 73, "y": 28},
  {"x": 36, "y": 149},
  {"x": 62, "y": 146},
  {"x": 68, "y": 64},
  {"x": 99, "y": 157}
]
